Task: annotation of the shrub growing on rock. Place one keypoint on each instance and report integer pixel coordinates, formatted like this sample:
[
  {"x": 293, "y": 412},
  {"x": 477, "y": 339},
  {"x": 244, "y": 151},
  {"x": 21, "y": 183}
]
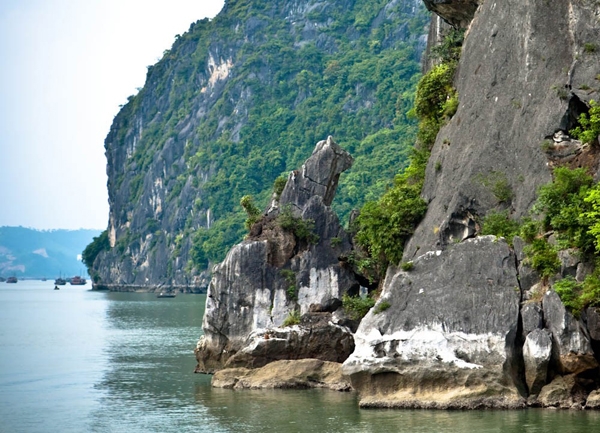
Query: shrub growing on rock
[
  {"x": 303, "y": 229},
  {"x": 292, "y": 319},
  {"x": 357, "y": 307},
  {"x": 253, "y": 212},
  {"x": 499, "y": 224}
]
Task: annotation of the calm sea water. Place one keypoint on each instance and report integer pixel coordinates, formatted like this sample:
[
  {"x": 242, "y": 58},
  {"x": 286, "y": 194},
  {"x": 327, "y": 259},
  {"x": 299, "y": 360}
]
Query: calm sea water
[{"x": 74, "y": 360}]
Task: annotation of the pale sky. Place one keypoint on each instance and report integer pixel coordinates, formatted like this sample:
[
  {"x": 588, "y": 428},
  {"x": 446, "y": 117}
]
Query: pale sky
[{"x": 65, "y": 67}]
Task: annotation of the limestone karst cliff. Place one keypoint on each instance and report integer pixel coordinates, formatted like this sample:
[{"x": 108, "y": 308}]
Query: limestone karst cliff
[
  {"x": 238, "y": 101},
  {"x": 466, "y": 320},
  {"x": 472, "y": 325}
]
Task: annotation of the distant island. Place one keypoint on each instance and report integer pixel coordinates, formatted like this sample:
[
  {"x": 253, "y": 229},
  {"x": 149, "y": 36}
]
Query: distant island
[{"x": 30, "y": 253}]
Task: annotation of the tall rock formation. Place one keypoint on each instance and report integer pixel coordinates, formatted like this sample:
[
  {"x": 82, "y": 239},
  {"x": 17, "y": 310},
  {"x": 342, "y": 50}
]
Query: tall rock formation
[
  {"x": 279, "y": 272},
  {"x": 524, "y": 75},
  {"x": 455, "y": 331}
]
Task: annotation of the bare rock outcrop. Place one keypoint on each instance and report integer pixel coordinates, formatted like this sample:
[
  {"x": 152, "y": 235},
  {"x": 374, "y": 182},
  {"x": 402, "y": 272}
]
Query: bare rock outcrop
[
  {"x": 275, "y": 274},
  {"x": 537, "y": 352},
  {"x": 528, "y": 70},
  {"x": 457, "y": 13},
  {"x": 446, "y": 338},
  {"x": 573, "y": 353},
  {"x": 318, "y": 176}
]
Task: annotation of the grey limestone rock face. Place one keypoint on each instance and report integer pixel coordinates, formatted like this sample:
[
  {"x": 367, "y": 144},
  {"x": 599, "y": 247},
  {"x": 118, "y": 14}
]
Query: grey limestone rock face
[
  {"x": 318, "y": 176},
  {"x": 537, "y": 352},
  {"x": 573, "y": 351},
  {"x": 321, "y": 339},
  {"x": 532, "y": 317},
  {"x": 569, "y": 262},
  {"x": 519, "y": 81},
  {"x": 249, "y": 295},
  {"x": 593, "y": 323},
  {"x": 447, "y": 338}
]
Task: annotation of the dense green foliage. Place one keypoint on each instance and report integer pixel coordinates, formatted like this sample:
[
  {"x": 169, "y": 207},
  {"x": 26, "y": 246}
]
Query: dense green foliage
[
  {"x": 385, "y": 225},
  {"x": 381, "y": 307},
  {"x": 251, "y": 210},
  {"x": 589, "y": 124},
  {"x": 543, "y": 257},
  {"x": 564, "y": 207},
  {"x": 279, "y": 185},
  {"x": 98, "y": 244},
  {"x": 290, "y": 278},
  {"x": 436, "y": 99},
  {"x": 292, "y": 319},
  {"x": 577, "y": 296},
  {"x": 570, "y": 211},
  {"x": 354, "y": 79}
]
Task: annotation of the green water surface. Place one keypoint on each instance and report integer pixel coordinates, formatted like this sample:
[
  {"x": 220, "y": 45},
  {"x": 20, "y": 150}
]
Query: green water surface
[{"x": 74, "y": 360}]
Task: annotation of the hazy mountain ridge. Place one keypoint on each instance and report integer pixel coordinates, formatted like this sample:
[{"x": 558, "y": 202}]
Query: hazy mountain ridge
[{"x": 30, "y": 253}]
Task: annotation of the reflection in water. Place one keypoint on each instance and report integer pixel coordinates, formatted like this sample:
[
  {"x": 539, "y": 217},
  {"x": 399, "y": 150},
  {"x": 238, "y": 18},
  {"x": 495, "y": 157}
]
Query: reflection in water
[
  {"x": 328, "y": 411},
  {"x": 276, "y": 410}
]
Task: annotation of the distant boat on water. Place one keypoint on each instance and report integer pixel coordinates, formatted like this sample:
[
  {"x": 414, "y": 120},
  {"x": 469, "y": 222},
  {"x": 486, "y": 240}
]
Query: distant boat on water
[
  {"x": 77, "y": 281},
  {"x": 11, "y": 280},
  {"x": 166, "y": 295},
  {"x": 60, "y": 281}
]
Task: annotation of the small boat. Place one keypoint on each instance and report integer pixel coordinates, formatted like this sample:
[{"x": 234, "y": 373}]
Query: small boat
[
  {"x": 60, "y": 281},
  {"x": 56, "y": 287},
  {"x": 166, "y": 295},
  {"x": 77, "y": 281},
  {"x": 11, "y": 280}
]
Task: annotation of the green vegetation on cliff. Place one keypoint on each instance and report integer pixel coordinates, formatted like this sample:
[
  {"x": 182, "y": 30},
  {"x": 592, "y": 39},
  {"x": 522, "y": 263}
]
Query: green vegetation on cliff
[
  {"x": 589, "y": 124},
  {"x": 243, "y": 98},
  {"x": 569, "y": 208},
  {"x": 384, "y": 226}
]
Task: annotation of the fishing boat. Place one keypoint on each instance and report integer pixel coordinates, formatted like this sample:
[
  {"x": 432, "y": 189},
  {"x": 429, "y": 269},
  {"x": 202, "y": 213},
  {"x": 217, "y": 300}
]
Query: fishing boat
[
  {"x": 60, "y": 281},
  {"x": 11, "y": 280},
  {"x": 77, "y": 281}
]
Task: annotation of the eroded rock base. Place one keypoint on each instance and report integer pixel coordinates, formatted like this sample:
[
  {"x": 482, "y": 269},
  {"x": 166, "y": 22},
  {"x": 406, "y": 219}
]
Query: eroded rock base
[{"x": 285, "y": 374}]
